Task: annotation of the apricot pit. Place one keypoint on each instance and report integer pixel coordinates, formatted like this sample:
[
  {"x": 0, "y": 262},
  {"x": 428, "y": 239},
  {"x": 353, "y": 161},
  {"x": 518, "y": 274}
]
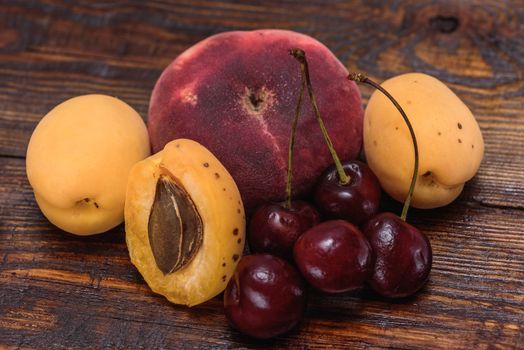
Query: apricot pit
[{"x": 174, "y": 228}]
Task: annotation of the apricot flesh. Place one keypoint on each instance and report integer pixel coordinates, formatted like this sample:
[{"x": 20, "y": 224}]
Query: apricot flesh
[
  {"x": 449, "y": 139},
  {"x": 236, "y": 94},
  {"x": 208, "y": 262},
  {"x": 78, "y": 161}
]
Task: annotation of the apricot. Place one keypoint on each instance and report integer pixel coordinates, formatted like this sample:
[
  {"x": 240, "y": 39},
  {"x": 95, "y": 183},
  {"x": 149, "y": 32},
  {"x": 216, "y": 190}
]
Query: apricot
[
  {"x": 449, "y": 139},
  {"x": 236, "y": 94},
  {"x": 79, "y": 158},
  {"x": 185, "y": 222}
]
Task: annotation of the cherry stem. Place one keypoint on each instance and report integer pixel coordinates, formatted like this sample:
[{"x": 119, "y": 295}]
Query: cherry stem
[
  {"x": 358, "y": 77},
  {"x": 300, "y": 56},
  {"x": 292, "y": 142}
]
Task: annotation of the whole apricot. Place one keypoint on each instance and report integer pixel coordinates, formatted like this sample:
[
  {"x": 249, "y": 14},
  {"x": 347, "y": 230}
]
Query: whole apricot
[
  {"x": 185, "y": 222},
  {"x": 449, "y": 139},
  {"x": 236, "y": 94},
  {"x": 79, "y": 158}
]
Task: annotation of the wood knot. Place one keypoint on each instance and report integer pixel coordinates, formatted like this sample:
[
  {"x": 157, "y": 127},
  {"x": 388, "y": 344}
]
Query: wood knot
[{"x": 444, "y": 24}]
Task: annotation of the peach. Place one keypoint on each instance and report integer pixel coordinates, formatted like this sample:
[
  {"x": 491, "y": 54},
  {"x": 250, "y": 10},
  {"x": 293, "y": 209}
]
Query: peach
[
  {"x": 79, "y": 158},
  {"x": 236, "y": 93}
]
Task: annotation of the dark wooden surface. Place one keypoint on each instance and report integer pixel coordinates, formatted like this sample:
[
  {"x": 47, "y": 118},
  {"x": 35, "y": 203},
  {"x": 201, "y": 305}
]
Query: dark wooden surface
[{"x": 60, "y": 291}]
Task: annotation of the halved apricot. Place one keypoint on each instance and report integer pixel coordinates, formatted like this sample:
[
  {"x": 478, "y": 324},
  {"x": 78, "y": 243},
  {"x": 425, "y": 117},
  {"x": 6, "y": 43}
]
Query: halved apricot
[{"x": 185, "y": 222}]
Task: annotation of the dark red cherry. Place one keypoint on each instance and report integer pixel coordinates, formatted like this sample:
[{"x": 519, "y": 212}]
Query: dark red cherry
[
  {"x": 334, "y": 256},
  {"x": 356, "y": 201},
  {"x": 274, "y": 229},
  {"x": 265, "y": 297},
  {"x": 403, "y": 256}
]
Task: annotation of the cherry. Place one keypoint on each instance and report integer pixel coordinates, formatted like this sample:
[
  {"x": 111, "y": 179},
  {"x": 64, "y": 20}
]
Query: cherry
[
  {"x": 346, "y": 190},
  {"x": 357, "y": 201},
  {"x": 273, "y": 228},
  {"x": 334, "y": 256},
  {"x": 403, "y": 256},
  {"x": 403, "y": 253},
  {"x": 265, "y": 297}
]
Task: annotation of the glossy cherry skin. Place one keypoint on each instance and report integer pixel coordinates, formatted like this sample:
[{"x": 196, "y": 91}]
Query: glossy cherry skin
[
  {"x": 356, "y": 201},
  {"x": 265, "y": 297},
  {"x": 334, "y": 256},
  {"x": 274, "y": 229},
  {"x": 403, "y": 256}
]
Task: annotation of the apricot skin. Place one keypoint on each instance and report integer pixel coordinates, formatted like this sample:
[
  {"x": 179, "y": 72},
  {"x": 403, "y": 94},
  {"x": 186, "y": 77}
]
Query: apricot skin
[
  {"x": 217, "y": 199},
  {"x": 449, "y": 139},
  {"x": 236, "y": 94},
  {"x": 78, "y": 161}
]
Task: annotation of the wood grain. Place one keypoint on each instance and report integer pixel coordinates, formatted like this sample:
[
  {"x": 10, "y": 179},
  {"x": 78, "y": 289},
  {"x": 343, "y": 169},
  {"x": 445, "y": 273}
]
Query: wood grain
[{"x": 59, "y": 291}]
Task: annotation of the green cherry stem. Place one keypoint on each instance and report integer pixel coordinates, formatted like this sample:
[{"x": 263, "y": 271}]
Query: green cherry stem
[
  {"x": 300, "y": 56},
  {"x": 292, "y": 141},
  {"x": 358, "y": 77}
]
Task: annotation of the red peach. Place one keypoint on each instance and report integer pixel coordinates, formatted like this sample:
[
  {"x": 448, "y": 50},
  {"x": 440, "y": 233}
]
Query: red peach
[{"x": 236, "y": 94}]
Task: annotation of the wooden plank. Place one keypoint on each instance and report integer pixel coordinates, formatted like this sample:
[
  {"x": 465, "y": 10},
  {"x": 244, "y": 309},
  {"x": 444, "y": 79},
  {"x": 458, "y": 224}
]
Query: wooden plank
[
  {"x": 83, "y": 292},
  {"x": 128, "y": 46}
]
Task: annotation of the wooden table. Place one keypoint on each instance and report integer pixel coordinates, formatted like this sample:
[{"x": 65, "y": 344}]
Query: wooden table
[{"x": 60, "y": 291}]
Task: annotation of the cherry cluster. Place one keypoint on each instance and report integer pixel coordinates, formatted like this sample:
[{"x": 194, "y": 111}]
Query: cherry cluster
[{"x": 338, "y": 244}]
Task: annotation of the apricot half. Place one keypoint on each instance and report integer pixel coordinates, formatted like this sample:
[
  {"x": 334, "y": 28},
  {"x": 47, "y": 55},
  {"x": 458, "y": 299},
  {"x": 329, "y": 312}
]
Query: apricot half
[
  {"x": 185, "y": 222},
  {"x": 449, "y": 140},
  {"x": 78, "y": 160}
]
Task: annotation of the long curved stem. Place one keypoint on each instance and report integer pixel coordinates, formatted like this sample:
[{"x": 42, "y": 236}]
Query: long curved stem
[
  {"x": 364, "y": 79},
  {"x": 292, "y": 143},
  {"x": 300, "y": 56}
]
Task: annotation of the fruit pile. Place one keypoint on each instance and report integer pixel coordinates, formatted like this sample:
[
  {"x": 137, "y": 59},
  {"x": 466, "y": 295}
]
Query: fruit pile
[
  {"x": 231, "y": 134},
  {"x": 333, "y": 256}
]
